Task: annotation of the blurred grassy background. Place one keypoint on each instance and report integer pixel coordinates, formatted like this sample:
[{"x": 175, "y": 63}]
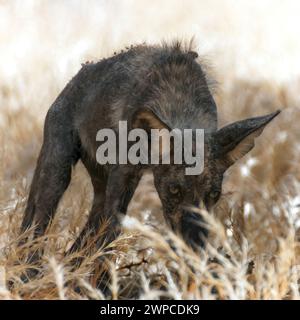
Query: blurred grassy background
[{"x": 253, "y": 50}]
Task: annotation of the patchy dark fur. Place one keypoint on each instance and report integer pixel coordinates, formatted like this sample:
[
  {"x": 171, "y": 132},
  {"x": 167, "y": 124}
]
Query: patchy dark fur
[{"x": 150, "y": 87}]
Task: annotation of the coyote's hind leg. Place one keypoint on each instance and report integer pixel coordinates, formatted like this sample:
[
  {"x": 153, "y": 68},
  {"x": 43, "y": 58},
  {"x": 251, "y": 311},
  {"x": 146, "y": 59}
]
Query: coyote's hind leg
[{"x": 53, "y": 172}]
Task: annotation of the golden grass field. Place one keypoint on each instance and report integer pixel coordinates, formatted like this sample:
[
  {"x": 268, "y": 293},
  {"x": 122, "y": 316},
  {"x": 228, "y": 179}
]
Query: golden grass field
[{"x": 253, "y": 50}]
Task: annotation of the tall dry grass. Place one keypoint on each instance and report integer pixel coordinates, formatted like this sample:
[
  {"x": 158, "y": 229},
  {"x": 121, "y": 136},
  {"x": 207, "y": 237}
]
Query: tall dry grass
[{"x": 253, "y": 250}]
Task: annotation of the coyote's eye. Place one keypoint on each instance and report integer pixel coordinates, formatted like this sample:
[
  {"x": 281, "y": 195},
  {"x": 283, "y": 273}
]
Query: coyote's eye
[
  {"x": 174, "y": 189},
  {"x": 214, "y": 195}
]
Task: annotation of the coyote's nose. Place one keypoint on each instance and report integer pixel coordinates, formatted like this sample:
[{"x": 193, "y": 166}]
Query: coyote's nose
[{"x": 193, "y": 229}]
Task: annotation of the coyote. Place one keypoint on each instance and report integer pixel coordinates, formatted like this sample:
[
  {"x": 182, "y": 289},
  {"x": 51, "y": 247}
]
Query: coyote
[{"x": 150, "y": 87}]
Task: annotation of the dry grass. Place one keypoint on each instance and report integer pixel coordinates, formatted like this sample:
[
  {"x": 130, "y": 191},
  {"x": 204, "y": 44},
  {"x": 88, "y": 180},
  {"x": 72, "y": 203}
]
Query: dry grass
[{"x": 253, "y": 250}]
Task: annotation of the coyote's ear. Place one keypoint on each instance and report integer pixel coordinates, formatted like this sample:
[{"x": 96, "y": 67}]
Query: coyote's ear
[
  {"x": 235, "y": 140},
  {"x": 146, "y": 119}
]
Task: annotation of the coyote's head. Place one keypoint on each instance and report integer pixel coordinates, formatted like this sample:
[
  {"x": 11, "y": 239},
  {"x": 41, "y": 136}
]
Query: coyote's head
[{"x": 178, "y": 191}]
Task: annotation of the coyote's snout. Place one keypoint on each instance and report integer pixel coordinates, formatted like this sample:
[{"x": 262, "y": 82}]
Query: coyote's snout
[{"x": 149, "y": 87}]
